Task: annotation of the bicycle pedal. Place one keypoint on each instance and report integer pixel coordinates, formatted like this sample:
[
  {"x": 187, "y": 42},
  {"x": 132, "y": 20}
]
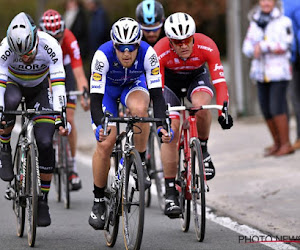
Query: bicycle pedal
[
  {"x": 9, "y": 193},
  {"x": 7, "y": 197}
]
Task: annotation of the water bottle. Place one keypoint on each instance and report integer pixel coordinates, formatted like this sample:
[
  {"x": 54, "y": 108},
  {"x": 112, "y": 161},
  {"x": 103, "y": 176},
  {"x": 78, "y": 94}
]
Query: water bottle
[{"x": 121, "y": 163}]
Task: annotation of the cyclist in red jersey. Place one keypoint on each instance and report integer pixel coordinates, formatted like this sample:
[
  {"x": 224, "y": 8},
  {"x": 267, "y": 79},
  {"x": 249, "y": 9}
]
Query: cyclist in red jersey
[
  {"x": 182, "y": 55},
  {"x": 52, "y": 23}
]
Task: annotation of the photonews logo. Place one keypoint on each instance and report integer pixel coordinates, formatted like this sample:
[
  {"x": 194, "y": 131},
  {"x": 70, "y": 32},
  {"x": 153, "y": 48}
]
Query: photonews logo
[{"x": 269, "y": 238}]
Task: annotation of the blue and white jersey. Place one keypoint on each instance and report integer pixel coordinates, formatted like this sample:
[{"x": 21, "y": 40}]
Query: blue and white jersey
[{"x": 106, "y": 69}]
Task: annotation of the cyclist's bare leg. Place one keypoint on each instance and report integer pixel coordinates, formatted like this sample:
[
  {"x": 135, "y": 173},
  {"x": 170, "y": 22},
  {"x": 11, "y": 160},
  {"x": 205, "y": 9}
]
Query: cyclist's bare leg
[
  {"x": 203, "y": 116},
  {"x": 101, "y": 158},
  {"x": 138, "y": 103},
  {"x": 169, "y": 154},
  {"x": 46, "y": 177}
]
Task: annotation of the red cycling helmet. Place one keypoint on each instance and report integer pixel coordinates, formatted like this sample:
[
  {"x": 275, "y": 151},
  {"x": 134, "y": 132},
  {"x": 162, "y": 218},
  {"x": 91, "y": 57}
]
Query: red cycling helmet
[{"x": 52, "y": 22}]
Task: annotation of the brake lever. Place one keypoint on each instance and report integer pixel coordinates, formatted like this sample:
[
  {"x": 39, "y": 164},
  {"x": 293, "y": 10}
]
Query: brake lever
[{"x": 225, "y": 111}]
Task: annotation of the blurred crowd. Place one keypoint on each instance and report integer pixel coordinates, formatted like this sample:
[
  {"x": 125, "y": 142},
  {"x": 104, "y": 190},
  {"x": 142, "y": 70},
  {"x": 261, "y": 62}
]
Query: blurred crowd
[{"x": 88, "y": 21}]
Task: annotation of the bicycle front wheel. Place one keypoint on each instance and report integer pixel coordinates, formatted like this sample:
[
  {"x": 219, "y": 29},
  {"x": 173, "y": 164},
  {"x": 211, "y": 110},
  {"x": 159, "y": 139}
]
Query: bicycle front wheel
[
  {"x": 185, "y": 204},
  {"x": 112, "y": 200},
  {"x": 133, "y": 201},
  {"x": 32, "y": 188},
  {"x": 156, "y": 170},
  {"x": 198, "y": 189},
  {"x": 19, "y": 202}
]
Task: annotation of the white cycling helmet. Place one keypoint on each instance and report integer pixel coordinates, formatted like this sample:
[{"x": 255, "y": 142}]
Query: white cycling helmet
[
  {"x": 179, "y": 26},
  {"x": 21, "y": 34},
  {"x": 126, "y": 31}
]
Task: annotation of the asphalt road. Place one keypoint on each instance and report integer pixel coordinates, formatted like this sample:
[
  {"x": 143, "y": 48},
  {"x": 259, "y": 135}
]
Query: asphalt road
[{"x": 70, "y": 228}]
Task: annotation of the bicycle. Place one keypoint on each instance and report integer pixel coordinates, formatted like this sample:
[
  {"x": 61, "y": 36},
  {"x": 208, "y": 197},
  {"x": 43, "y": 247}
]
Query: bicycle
[
  {"x": 125, "y": 193},
  {"x": 191, "y": 180},
  {"x": 154, "y": 165},
  {"x": 62, "y": 152},
  {"x": 26, "y": 187}
]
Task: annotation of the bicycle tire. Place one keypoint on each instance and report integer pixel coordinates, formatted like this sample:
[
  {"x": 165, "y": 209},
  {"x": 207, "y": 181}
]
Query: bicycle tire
[
  {"x": 112, "y": 205},
  {"x": 56, "y": 172},
  {"x": 18, "y": 201},
  {"x": 133, "y": 201},
  {"x": 198, "y": 189},
  {"x": 185, "y": 204},
  {"x": 156, "y": 170},
  {"x": 65, "y": 152},
  {"x": 32, "y": 194},
  {"x": 148, "y": 196}
]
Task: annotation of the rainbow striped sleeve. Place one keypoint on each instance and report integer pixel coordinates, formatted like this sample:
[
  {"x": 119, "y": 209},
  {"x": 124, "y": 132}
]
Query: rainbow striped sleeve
[
  {"x": 2, "y": 83},
  {"x": 57, "y": 81}
]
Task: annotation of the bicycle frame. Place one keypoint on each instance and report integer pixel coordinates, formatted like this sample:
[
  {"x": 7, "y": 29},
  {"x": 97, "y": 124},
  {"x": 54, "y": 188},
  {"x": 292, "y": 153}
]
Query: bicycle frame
[{"x": 189, "y": 132}]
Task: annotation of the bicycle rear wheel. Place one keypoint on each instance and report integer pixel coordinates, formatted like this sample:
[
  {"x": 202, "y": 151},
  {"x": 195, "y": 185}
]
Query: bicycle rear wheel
[
  {"x": 112, "y": 204},
  {"x": 56, "y": 172},
  {"x": 133, "y": 201},
  {"x": 185, "y": 204},
  {"x": 32, "y": 188},
  {"x": 156, "y": 170},
  {"x": 198, "y": 189},
  {"x": 18, "y": 201}
]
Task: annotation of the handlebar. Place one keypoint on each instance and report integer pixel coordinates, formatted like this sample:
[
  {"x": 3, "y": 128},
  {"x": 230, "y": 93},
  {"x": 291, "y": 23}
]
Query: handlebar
[
  {"x": 129, "y": 120},
  {"x": 84, "y": 93},
  {"x": 193, "y": 110},
  {"x": 31, "y": 112}
]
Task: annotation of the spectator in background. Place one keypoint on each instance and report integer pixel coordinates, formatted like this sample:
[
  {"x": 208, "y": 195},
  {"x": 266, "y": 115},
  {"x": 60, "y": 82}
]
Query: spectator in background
[
  {"x": 267, "y": 43},
  {"x": 150, "y": 14},
  {"x": 98, "y": 26},
  {"x": 292, "y": 10},
  {"x": 75, "y": 20}
]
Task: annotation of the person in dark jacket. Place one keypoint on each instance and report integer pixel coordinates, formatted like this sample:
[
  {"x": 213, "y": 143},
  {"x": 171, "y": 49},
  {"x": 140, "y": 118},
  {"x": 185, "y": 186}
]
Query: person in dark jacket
[
  {"x": 76, "y": 21},
  {"x": 98, "y": 31}
]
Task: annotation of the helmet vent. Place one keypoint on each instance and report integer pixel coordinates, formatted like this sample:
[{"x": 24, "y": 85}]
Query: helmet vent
[
  {"x": 14, "y": 27},
  {"x": 186, "y": 17},
  {"x": 180, "y": 29},
  {"x": 133, "y": 30},
  {"x": 22, "y": 26},
  {"x": 187, "y": 29},
  {"x": 174, "y": 31}
]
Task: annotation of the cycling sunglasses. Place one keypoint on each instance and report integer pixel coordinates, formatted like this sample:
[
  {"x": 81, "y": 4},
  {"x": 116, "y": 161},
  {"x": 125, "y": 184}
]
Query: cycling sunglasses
[
  {"x": 186, "y": 41},
  {"x": 30, "y": 53},
  {"x": 126, "y": 47},
  {"x": 151, "y": 29}
]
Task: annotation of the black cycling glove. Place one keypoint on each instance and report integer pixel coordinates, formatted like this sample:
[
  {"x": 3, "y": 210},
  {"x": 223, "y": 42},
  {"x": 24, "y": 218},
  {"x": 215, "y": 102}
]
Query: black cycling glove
[{"x": 223, "y": 123}]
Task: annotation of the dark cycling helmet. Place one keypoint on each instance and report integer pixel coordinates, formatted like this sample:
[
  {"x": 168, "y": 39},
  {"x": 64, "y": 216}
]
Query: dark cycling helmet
[
  {"x": 52, "y": 22},
  {"x": 149, "y": 12},
  {"x": 126, "y": 31},
  {"x": 21, "y": 34}
]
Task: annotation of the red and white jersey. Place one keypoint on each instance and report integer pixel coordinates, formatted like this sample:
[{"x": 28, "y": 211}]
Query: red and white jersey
[
  {"x": 71, "y": 50},
  {"x": 204, "y": 51}
]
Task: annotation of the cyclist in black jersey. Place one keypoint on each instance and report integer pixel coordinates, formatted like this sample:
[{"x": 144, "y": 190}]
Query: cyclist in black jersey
[{"x": 150, "y": 15}]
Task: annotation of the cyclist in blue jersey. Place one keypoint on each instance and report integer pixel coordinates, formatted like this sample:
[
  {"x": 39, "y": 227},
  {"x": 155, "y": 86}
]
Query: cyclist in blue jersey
[{"x": 125, "y": 68}]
